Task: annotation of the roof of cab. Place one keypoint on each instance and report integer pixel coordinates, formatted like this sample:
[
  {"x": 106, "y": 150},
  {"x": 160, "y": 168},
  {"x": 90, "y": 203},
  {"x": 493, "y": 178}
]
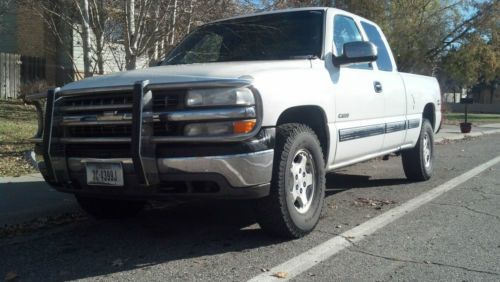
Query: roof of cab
[
  {"x": 278, "y": 12},
  {"x": 297, "y": 10}
]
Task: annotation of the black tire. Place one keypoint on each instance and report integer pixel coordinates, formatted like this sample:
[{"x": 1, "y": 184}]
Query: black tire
[
  {"x": 418, "y": 166},
  {"x": 110, "y": 209},
  {"x": 279, "y": 214}
]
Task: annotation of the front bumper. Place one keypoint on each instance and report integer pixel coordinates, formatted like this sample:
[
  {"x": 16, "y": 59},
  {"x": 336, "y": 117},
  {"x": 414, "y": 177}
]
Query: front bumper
[
  {"x": 230, "y": 176},
  {"x": 240, "y": 171}
]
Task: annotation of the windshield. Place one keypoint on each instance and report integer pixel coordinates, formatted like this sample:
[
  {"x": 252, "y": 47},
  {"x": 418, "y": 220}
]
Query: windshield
[{"x": 280, "y": 36}]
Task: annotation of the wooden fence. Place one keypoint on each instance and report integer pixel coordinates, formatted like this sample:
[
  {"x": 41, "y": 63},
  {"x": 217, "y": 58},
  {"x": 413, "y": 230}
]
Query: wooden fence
[{"x": 10, "y": 75}]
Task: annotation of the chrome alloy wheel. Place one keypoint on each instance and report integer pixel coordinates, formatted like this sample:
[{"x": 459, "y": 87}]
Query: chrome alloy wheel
[
  {"x": 427, "y": 150},
  {"x": 303, "y": 173}
]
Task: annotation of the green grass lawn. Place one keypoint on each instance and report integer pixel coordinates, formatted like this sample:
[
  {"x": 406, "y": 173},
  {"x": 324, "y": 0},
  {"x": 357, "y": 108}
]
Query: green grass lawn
[
  {"x": 455, "y": 118},
  {"x": 18, "y": 122}
]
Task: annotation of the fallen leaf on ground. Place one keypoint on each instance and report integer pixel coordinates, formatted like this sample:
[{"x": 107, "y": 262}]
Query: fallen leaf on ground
[
  {"x": 39, "y": 223},
  {"x": 117, "y": 262},
  {"x": 11, "y": 276},
  {"x": 377, "y": 204},
  {"x": 280, "y": 274}
]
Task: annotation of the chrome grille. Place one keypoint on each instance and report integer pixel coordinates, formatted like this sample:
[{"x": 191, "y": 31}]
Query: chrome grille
[
  {"x": 165, "y": 101},
  {"x": 100, "y": 131},
  {"x": 110, "y": 114},
  {"x": 97, "y": 103},
  {"x": 168, "y": 100},
  {"x": 96, "y": 115},
  {"x": 168, "y": 129}
]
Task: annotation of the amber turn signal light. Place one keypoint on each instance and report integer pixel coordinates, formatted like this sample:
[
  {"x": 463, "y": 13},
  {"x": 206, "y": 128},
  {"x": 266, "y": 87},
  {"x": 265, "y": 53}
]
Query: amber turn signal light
[{"x": 244, "y": 126}]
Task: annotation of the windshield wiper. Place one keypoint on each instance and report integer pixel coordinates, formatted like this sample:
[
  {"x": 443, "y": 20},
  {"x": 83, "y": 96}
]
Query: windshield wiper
[
  {"x": 301, "y": 57},
  {"x": 168, "y": 60}
]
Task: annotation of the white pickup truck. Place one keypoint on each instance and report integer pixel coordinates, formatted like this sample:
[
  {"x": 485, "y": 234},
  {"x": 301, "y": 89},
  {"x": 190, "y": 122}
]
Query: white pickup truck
[{"x": 256, "y": 107}]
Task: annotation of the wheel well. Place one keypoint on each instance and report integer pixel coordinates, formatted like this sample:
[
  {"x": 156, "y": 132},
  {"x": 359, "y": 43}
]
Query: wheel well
[
  {"x": 429, "y": 113},
  {"x": 312, "y": 116}
]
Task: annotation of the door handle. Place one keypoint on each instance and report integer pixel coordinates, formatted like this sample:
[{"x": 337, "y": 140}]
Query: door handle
[{"x": 377, "y": 86}]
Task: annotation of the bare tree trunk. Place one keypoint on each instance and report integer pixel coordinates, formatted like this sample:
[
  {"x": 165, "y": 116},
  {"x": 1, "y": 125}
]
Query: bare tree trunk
[
  {"x": 154, "y": 57},
  {"x": 131, "y": 62},
  {"x": 86, "y": 38},
  {"x": 99, "y": 54},
  {"x": 190, "y": 21},
  {"x": 174, "y": 16},
  {"x": 98, "y": 17},
  {"x": 131, "y": 42}
]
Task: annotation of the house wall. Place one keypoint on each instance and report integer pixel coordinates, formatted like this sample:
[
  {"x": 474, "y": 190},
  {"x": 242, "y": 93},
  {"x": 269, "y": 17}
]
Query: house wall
[
  {"x": 24, "y": 32},
  {"x": 33, "y": 39},
  {"x": 8, "y": 42}
]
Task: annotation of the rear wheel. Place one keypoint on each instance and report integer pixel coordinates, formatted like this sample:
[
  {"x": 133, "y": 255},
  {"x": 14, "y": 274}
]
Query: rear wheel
[
  {"x": 418, "y": 162},
  {"x": 297, "y": 193},
  {"x": 110, "y": 209}
]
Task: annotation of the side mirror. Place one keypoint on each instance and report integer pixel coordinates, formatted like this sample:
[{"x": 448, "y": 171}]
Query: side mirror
[{"x": 357, "y": 52}]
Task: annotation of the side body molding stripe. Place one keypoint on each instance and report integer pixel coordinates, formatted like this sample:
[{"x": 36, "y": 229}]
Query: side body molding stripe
[
  {"x": 413, "y": 123},
  {"x": 395, "y": 126},
  {"x": 377, "y": 129},
  {"x": 361, "y": 132}
]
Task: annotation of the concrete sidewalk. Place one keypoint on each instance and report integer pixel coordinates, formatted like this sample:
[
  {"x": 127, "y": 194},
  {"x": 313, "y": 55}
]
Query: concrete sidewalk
[
  {"x": 452, "y": 132},
  {"x": 27, "y": 197}
]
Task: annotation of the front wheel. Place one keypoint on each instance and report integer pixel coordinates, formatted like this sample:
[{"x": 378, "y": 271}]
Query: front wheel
[
  {"x": 110, "y": 209},
  {"x": 296, "y": 199},
  {"x": 418, "y": 162}
]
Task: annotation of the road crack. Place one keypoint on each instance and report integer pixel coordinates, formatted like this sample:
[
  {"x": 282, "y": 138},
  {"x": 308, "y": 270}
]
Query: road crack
[
  {"x": 480, "y": 191},
  {"x": 327, "y": 232},
  {"x": 422, "y": 262},
  {"x": 487, "y": 193},
  {"x": 468, "y": 208}
]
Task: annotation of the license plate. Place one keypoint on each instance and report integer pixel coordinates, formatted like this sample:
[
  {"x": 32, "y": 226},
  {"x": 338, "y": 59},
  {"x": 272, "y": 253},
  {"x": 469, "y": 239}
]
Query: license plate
[{"x": 104, "y": 174}]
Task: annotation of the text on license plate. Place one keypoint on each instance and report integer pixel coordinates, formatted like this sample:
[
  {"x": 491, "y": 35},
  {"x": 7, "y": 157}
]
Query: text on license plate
[{"x": 110, "y": 174}]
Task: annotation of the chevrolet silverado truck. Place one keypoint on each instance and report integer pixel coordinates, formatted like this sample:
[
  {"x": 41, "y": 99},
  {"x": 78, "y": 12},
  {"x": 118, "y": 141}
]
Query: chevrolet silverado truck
[{"x": 254, "y": 107}]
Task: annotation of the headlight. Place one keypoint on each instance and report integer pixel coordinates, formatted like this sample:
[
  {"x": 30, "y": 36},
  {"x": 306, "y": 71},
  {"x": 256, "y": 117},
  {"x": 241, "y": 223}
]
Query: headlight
[{"x": 219, "y": 97}]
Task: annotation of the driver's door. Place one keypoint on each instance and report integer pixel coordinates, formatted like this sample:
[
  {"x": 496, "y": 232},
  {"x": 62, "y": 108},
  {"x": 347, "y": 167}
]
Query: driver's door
[{"x": 359, "y": 107}]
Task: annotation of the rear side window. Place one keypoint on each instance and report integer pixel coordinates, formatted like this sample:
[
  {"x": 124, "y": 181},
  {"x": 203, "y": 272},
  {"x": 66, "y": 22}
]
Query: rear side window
[{"x": 384, "y": 60}]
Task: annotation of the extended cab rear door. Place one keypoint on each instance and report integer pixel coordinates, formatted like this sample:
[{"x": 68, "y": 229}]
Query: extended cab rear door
[{"x": 391, "y": 88}]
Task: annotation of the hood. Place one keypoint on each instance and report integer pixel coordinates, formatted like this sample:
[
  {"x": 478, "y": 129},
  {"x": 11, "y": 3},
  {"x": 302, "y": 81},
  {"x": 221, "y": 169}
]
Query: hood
[{"x": 188, "y": 73}]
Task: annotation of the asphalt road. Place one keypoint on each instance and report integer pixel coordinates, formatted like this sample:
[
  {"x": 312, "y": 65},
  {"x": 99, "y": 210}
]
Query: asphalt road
[{"x": 455, "y": 236}]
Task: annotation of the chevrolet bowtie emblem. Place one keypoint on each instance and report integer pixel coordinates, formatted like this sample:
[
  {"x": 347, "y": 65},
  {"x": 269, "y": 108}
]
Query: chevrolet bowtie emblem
[{"x": 110, "y": 115}]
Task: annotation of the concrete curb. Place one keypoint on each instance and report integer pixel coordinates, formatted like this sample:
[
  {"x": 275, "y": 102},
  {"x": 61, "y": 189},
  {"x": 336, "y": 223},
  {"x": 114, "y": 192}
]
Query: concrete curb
[{"x": 34, "y": 177}]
